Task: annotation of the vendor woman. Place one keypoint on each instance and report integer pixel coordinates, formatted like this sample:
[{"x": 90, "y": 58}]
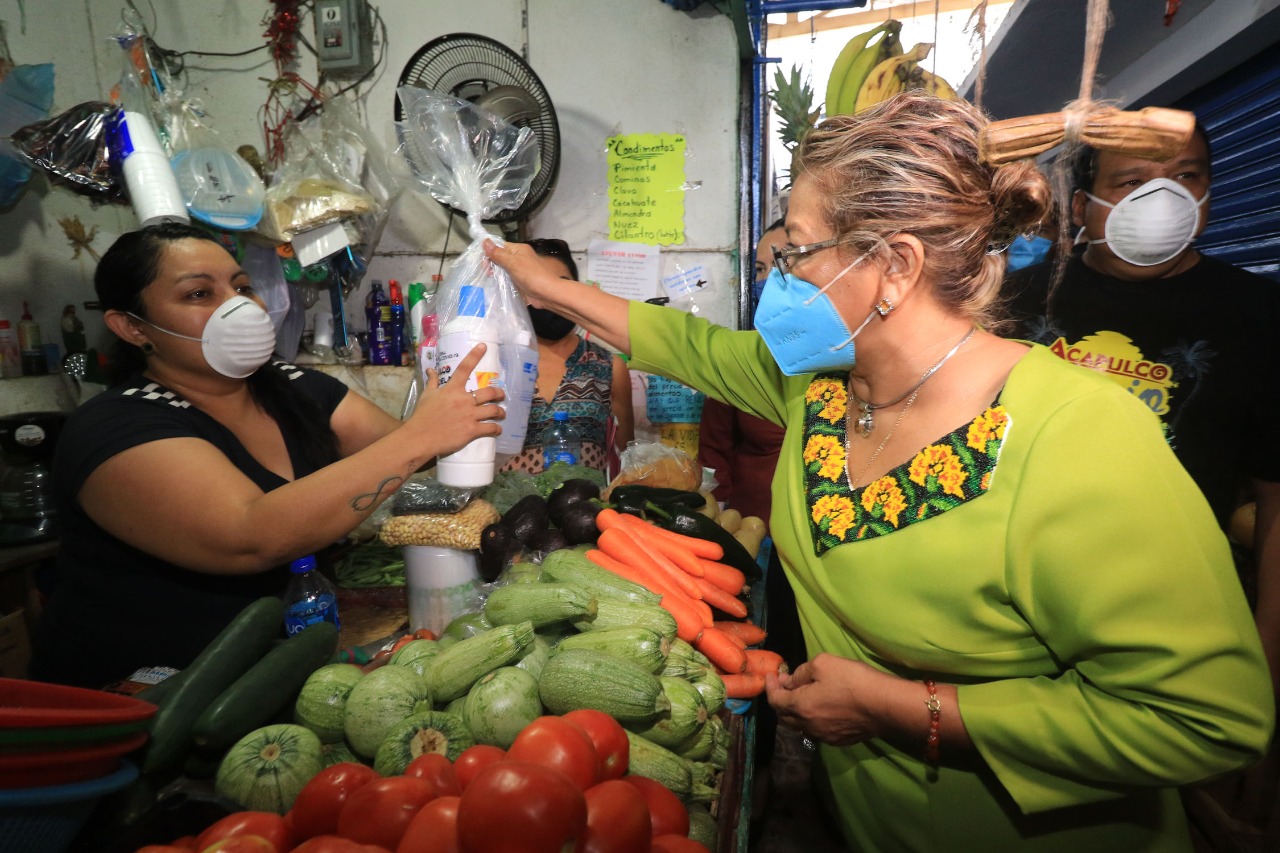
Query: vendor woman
[
  {"x": 1019, "y": 638},
  {"x": 187, "y": 488}
]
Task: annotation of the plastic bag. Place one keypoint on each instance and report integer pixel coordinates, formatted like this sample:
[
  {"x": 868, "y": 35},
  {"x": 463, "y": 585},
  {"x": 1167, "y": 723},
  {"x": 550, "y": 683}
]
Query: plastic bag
[
  {"x": 26, "y": 94},
  {"x": 460, "y": 530},
  {"x": 469, "y": 159},
  {"x": 263, "y": 266},
  {"x": 422, "y": 493},
  {"x": 217, "y": 184},
  {"x": 72, "y": 148},
  {"x": 657, "y": 465}
]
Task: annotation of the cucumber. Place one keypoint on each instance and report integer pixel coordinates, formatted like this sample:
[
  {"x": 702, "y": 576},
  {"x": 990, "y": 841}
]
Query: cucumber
[
  {"x": 568, "y": 565},
  {"x": 661, "y": 765},
  {"x": 270, "y": 684},
  {"x": 618, "y": 613},
  {"x": 540, "y": 604},
  {"x": 585, "y": 678},
  {"x": 241, "y": 644},
  {"x": 640, "y": 645},
  {"x": 451, "y": 673}
]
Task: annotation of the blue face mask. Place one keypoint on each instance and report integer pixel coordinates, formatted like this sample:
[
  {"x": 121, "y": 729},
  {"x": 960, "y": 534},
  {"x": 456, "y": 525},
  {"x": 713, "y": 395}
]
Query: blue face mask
[
  {"x": 801, "y": 326},
  {"x": 1025, "y": 251}
]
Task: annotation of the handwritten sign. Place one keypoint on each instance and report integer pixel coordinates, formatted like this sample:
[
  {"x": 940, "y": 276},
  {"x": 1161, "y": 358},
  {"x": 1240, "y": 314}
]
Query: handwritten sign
[
  {"x": 646, "y": 188},
  {"x": 669, "y": 402}
]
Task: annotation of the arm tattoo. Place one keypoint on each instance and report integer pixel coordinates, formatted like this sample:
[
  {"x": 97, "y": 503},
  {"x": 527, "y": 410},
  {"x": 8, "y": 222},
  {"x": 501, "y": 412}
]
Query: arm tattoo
[{"x": 360, "y": 503}]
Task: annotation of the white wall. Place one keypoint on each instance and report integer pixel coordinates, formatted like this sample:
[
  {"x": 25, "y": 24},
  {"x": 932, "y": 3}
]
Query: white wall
[{"x": 611, "y": 66}]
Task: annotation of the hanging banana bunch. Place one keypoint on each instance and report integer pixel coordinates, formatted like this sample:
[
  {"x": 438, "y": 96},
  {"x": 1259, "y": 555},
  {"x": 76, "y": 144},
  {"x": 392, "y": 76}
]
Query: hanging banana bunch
[
  {"x": 899, "y": 74},
  {"x": 860, "y": 54}
]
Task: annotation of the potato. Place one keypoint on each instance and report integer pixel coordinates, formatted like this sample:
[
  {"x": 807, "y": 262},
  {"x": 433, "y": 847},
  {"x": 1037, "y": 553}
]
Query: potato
[{"x": 730, "y": 520}]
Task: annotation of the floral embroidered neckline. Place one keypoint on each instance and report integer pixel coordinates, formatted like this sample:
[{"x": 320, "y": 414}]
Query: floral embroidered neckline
[{"x": 943, "y": 475}]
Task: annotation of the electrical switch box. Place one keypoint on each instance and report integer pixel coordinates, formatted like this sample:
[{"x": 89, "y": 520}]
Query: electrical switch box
[{"x": 344, "y": 37}]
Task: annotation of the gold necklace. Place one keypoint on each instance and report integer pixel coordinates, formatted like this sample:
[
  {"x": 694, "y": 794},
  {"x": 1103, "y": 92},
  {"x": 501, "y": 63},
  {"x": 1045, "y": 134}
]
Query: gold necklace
[
  {"x": 866, "y": 422},
  {"x": 847, "y": 432}
]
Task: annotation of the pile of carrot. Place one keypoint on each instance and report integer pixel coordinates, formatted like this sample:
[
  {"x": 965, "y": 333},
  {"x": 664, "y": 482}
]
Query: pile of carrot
[{"x": 686, "y": 573}]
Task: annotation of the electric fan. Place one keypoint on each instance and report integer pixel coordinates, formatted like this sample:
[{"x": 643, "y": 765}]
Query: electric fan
[{"x": 491, "y": 75}]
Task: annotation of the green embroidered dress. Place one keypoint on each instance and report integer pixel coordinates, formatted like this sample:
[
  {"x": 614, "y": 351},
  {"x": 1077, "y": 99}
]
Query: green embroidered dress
[{"x": 1049, "y": 557}]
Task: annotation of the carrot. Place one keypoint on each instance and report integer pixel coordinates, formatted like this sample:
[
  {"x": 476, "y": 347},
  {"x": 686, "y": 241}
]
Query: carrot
[
  {"x": 621, "y": 544},
  {"x": 672, "y": 550},
  {"x": 737, "y": 641},
  {"x": 621, "y": 569},
  {"x": 721, "y": 600},
  {"x": 746, "y": 685},
  {"x": 689, "y": 625},
  {"x": 607, "y": 518},
  {"x": 704, "y": 611},
  {"x": 746, "y": 629},
  {"x": 701, "y": 548},
  {"x": 727, "y": 578},
  {"x": 721, "y": 651},
  {"x": 764, "y": 661}
]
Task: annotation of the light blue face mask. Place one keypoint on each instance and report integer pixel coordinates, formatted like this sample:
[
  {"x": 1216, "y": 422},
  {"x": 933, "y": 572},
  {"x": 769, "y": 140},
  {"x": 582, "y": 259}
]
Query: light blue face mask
[
  {"x": 1025, "y": 251},
  {"x": 801, "y": 326}
]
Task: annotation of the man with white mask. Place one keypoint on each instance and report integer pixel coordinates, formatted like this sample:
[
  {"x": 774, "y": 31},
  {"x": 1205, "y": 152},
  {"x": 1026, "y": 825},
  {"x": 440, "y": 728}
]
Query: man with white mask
[{"x": 1193, "y": 338}]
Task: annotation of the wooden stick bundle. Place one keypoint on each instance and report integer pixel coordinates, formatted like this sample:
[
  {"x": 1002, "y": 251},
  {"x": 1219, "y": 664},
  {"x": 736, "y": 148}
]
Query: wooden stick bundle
[{"x": 1152, "y": 132}]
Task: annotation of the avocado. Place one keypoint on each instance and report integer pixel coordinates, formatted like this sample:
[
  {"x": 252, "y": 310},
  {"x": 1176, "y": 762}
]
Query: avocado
[
  {"x": 496, "y": 543},
  {"x": 549, "y": 540},
  {"x": 578, "y": 523},
  {"x": 527, "y": 518},
  {"x": 568, "y": 494}
]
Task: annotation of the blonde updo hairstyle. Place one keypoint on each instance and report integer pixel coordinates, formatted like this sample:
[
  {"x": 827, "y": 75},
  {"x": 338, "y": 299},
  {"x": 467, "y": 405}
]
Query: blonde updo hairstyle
[{"x": 910, "y": 165}]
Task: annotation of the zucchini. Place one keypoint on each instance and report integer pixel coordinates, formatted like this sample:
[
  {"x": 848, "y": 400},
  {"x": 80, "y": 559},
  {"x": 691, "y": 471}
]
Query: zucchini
[
  {"x": 702, "y": 827},
  {"x": 540, "y": 604},
  {"x": 711, "y": 686},
  {"x": 451, "y": 673},
  {"x": 585, "y": 678},
  {"x": 536, "y": 656},
  {"x": 239, "y": 645},
  {"x": 272, "y": 683},
  {"x": 698, "y": 746},
  {"x": 635, "y": 643},
  {"x": 720, "y": 750},
  {"x": 683, "y": 651},
  {"x": 569, "y": 566},
  {"x": 685, "y": 718},
  {"x": 618, "y": 613},
  {"x": 661, "y": 765}
]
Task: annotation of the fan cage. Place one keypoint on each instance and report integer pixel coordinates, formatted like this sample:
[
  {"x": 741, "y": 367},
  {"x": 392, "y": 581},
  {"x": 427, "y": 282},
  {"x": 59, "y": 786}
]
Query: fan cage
[{"x": 467, "y": 66}]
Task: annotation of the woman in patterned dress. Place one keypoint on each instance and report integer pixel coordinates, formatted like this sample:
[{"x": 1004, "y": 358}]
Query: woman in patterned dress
[
  {"x": 1024, "y": 627},
  {"x": 576, "y": 376}
]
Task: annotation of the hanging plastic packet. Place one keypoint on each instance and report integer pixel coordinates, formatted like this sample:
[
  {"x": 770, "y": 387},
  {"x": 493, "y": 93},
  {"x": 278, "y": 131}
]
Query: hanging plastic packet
[
  {"x": 217, "y": 184},
  {"x": 473, "y": 161},
  {"x": 72, "y": 148}
]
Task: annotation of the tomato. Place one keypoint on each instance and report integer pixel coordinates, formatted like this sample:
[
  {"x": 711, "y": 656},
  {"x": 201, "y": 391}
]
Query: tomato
[
  {"x": 266, "y": 825},
  {"x": 474, "y": 759},
  {"x": 434, "y": 829},
  {"x": 438, "y": 770},
  {"x": 425, "y": 634},
  {"x": 315, "y": 811},
  {"x": 517, "y": 805},
  {"x": 610, "y": 739},
  {"x": 668, "y": 814},
  {"x": 677, "y": 844},
  {"x": 242, "y": 844},
  {"x": 163, "y": 848},
  {"x": 336, "y": 844},
  {"x": 561, "y": 745},
  {"x": 617, "y": 820},
  {"x": 186, "y": 841},
  {"x": 378, "y": 812}
]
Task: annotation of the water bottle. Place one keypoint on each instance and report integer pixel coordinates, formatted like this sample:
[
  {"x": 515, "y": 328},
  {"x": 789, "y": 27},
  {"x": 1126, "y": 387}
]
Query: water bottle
[
  {"x": 310, "y": 597},
  {"x": 561, "y": 441},
  {"x": 395, "y": 340},
  {"x": 377, "y": 308}
]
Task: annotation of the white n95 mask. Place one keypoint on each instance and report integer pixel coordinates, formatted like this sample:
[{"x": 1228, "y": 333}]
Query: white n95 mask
[
  {"x": 1152, "y": 224},
  {"x": 238, "y": 337}
]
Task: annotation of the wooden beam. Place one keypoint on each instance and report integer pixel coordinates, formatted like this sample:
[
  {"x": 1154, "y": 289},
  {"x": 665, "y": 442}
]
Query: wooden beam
[{"x": 828, "y": 21}]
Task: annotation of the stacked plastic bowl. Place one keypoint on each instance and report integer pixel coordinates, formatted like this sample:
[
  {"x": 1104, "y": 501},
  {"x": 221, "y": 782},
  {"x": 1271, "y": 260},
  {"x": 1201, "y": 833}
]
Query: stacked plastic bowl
[{"x": 61, "y": 750}]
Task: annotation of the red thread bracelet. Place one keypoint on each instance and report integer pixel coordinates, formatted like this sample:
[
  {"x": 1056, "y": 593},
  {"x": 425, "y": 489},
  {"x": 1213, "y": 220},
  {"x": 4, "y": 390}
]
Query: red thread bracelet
[{"x": 932, "y": 741}]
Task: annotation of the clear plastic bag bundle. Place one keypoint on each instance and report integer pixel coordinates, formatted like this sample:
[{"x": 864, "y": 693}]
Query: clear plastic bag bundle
[
  {"x": 73, "y": 150},
  {"x": 468, "y": 158},
  {"x": 422, "y": 493}
]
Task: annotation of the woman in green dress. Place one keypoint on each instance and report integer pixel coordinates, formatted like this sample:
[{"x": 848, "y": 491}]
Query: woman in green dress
[{"x": 1023, "y": 624}]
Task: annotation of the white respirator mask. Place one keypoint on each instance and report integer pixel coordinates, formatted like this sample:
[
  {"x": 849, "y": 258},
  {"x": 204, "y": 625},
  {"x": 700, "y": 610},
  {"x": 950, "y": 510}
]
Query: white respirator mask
[
  {"x": 1152, "y": 224},
  {"x": 238, "y": 337}
]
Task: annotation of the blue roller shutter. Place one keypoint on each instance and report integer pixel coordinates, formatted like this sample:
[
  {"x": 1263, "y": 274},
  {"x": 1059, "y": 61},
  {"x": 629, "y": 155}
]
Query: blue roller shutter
[{"x": 1241, "y": 112}]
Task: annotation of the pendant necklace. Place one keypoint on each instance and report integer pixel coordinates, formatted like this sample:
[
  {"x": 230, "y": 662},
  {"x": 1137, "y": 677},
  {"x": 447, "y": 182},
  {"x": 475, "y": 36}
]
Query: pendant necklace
[{"x": 866, "y": 421}]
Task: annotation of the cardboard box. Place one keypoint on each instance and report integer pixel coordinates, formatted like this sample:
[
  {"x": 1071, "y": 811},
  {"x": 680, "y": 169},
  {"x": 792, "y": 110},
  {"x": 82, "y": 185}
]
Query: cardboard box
[{"x": 15, "y": 644}]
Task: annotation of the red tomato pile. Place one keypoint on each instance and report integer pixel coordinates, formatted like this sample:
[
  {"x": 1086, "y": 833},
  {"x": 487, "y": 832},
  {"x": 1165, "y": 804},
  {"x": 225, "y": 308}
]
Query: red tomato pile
[{"x": 561, "y": 786}]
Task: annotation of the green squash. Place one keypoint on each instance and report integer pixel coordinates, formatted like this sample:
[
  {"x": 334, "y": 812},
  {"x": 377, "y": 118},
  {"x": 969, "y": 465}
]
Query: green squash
[
  {"x": 381, "y": 699},
  {"x": 415, "y": 655},
  {"x": 322, "y": 702},
  {"x": 500, "y": 705},
  {"x": 433, "y": 731},
  {"x": 267, "y": 768}
]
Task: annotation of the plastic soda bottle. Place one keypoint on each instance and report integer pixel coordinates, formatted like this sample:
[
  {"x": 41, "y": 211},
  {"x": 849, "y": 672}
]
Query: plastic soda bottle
[
  {"x": 309, "y": 598},
  {"x": 561, "y": 441},
  {"x": 377, "y": 309},
  {"x": 395, "y": 340}
]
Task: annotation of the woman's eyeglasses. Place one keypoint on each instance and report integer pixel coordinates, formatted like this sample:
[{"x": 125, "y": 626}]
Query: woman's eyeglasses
[{"x": 783, "y": 259}]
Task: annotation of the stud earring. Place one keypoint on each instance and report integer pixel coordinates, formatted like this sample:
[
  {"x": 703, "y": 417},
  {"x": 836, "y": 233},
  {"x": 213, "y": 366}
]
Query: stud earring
[
  {"x": 148, "y": 347},
  {"x": 883, "y": 307}
]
